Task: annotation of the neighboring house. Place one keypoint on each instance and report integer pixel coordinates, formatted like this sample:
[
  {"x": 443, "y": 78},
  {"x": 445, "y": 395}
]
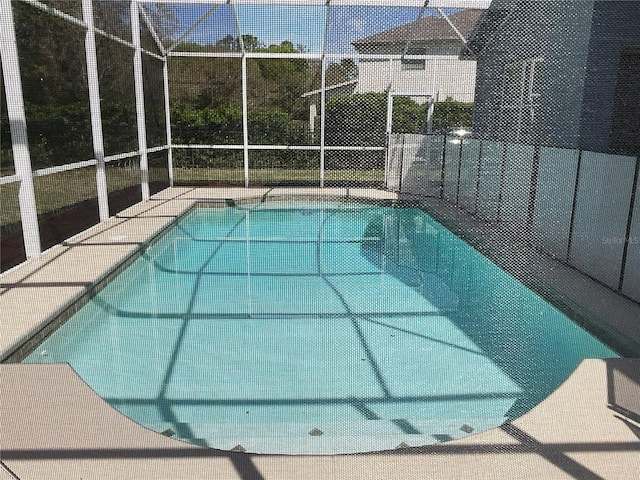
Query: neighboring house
[
  {"x": 559, "y": 73},
  {"x": 314, "y": 97},
  {"x": 437, "y": 71}
]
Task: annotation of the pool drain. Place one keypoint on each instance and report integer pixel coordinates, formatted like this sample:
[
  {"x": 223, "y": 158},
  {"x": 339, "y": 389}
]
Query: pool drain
[{"x": 316, "y": 432}]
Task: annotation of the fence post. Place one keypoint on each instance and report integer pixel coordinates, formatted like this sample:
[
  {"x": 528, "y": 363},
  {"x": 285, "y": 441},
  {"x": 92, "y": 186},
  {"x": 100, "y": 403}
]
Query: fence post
[
  {"x": 459, "y": 172},
  {"x": 632, "y": 204},
  {"x": 573, "y": 207},
  {"x": 245, "y": 120},
  {"x": 477, "y": 200},
  {"x": 323, "y": 100},
  {"x": 401, "y": 164},
  {"x": 444, "y": 158},
  {"x": 18, "y": 127},
  {"x": 533, "y": 189},
  {"x": 503, "y": 169}
]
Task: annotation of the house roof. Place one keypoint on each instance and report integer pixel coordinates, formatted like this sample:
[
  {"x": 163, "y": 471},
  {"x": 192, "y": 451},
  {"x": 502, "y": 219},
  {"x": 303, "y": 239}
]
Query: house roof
[
  {"x": 426, "y": 29},
  {"x": 330, "y": 88},
  {"x": 485, "y": 28}
]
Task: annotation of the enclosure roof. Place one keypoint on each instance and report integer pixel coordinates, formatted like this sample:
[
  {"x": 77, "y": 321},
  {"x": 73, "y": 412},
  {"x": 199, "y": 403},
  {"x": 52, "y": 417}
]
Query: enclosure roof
[
  {"x": 427, "y": 29},
  {"x": 371, "y": 3},
  {"x": 486, "y": 26}
]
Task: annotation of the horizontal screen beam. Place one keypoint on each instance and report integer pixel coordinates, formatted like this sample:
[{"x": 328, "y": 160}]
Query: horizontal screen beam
[{"x": 340, "y": 3}]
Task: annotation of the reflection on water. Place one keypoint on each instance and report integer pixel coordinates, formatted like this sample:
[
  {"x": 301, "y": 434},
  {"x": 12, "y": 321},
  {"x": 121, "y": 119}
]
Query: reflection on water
[
  {"x": 371, "y": 325},
  {"x": 529, "y": 339}
]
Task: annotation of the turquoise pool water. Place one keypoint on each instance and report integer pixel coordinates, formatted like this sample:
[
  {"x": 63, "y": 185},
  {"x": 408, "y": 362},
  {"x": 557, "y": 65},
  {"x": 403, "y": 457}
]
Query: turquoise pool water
[{"x": 318, "y": 328}]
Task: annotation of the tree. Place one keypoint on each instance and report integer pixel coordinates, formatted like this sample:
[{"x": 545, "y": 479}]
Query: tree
[
  {"x": 163, "y": 17},
  {"x": 357, "y": 119},
  {"x": 451, "y": 114},
  {"x": 52, "y": 64},
  {"x": 341, "y": 72},
  {"x": 206, "y": 99},
  {"x": 251, "y": 43},
  {"x": 282, "y": 82},
  {"x": 361, "y": 119}
]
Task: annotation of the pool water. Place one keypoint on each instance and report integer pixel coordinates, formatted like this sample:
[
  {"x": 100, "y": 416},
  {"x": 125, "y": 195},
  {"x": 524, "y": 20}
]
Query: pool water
[{"x": 318, "y": 328}]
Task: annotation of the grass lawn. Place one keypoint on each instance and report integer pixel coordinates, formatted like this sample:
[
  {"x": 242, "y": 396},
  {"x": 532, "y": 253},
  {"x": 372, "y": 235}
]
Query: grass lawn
[
  {"x": 60, "y": 190},
  {"x": 57, "y": 191},
  {"x": 261, "y": 176}
]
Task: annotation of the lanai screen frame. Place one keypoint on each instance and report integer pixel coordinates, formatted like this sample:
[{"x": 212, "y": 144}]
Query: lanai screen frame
[{"x": 139, "y": 13}]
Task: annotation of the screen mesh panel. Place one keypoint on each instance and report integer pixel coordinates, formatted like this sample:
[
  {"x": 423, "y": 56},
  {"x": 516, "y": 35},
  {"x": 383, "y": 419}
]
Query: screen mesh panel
[
  {"x": 519, "y": 113},
  {"x": 52, "y": 62}
]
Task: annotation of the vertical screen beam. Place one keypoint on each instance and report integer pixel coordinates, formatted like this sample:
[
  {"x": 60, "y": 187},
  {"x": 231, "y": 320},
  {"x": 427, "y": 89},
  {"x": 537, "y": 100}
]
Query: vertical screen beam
[
  {"x": 18, "y": 126},
  {"x": 387, "y": 134},
  {"x": 245, "y": 121},
  {"x": 94, "y": 106},
  {"x": 167, "y": 117},
  {"x": 323, "y": 87},
  {"x": 323, "y": 99},
  {"x": 245, "y": 101},
  {"x": 139, "y": 86}
]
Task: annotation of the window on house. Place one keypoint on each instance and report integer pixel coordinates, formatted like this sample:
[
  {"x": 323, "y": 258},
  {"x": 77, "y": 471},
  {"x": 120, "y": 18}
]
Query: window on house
[
  {"x": 414, "y": 63},
  {"x": 520, "y": 99}
]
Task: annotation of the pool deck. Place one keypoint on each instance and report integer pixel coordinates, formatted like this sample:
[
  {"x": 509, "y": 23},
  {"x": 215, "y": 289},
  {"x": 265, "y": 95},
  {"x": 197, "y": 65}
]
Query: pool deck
[{"x": 55, "y": 426}]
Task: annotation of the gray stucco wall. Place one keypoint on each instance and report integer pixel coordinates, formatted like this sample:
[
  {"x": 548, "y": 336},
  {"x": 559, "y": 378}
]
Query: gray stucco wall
[
  {"x": 559, "y": 32},
  {"x": 616, "y": 24}
]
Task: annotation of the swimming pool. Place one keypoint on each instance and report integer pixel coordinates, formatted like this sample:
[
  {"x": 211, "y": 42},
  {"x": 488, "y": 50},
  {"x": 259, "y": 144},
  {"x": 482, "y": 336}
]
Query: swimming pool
[{"x": 317, "y": 327}]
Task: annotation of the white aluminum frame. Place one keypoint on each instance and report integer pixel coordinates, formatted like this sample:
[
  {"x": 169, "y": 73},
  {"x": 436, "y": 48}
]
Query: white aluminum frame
[
  {"x": 528, "y": 100},
  {"x": 373, "y": 3},
  {"x": 18, "y": 126},
  {"x": 96, "y": 113},
  {"x": 139, "y": 86},
  {"x": 388, "y": 131},
  {"x": 139, "y": 11},
  {"x": 167, "y": 117}
]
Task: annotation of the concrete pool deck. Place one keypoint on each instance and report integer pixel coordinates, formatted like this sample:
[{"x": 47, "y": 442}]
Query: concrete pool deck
[{"x": 55, "y": 426}]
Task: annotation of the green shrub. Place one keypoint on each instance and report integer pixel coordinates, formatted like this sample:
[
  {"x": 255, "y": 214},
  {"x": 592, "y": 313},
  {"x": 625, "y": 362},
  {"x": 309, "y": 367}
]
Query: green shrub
[{"x": 452, "y": 114}]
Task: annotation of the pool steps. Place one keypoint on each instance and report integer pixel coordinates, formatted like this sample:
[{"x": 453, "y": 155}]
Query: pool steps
[{"x": 330, "y": 438}]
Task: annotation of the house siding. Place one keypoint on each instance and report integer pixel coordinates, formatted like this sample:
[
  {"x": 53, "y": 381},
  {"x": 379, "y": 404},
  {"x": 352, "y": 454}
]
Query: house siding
[
  {"x": 558, "y": 32},
  {"x": 614, "y": 28},
  {"x": 432, "y": 39},
  {"x": 443, "y": 76}
]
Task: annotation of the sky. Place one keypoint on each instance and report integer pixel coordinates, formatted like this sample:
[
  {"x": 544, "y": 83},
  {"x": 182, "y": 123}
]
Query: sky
[{"x": 302, "y": 25}]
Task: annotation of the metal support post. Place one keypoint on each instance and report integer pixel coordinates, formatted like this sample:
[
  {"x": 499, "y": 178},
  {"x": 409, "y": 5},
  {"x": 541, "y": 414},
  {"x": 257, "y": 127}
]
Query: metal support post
[
  {"x": 323, "y": 87},
  {"x": 323, "y": 100},
  {"x": 139, "y": 86},
  {"x": 167, "y": 118},
  {"x": 245, "y": 121},
  {"x": 18, "y": 126},
  {"x": 94, "y": 106}
]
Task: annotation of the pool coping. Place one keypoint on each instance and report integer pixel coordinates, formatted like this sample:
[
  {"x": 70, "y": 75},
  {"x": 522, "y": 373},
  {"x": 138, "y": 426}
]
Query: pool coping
[
  {"x": 56, "y": 427},
  {"x": 590, "y": 304},
  {"x": 35, "y": 294},
  {"x": 126, "y": 235},
  {"x": 608, "y": 315}
]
